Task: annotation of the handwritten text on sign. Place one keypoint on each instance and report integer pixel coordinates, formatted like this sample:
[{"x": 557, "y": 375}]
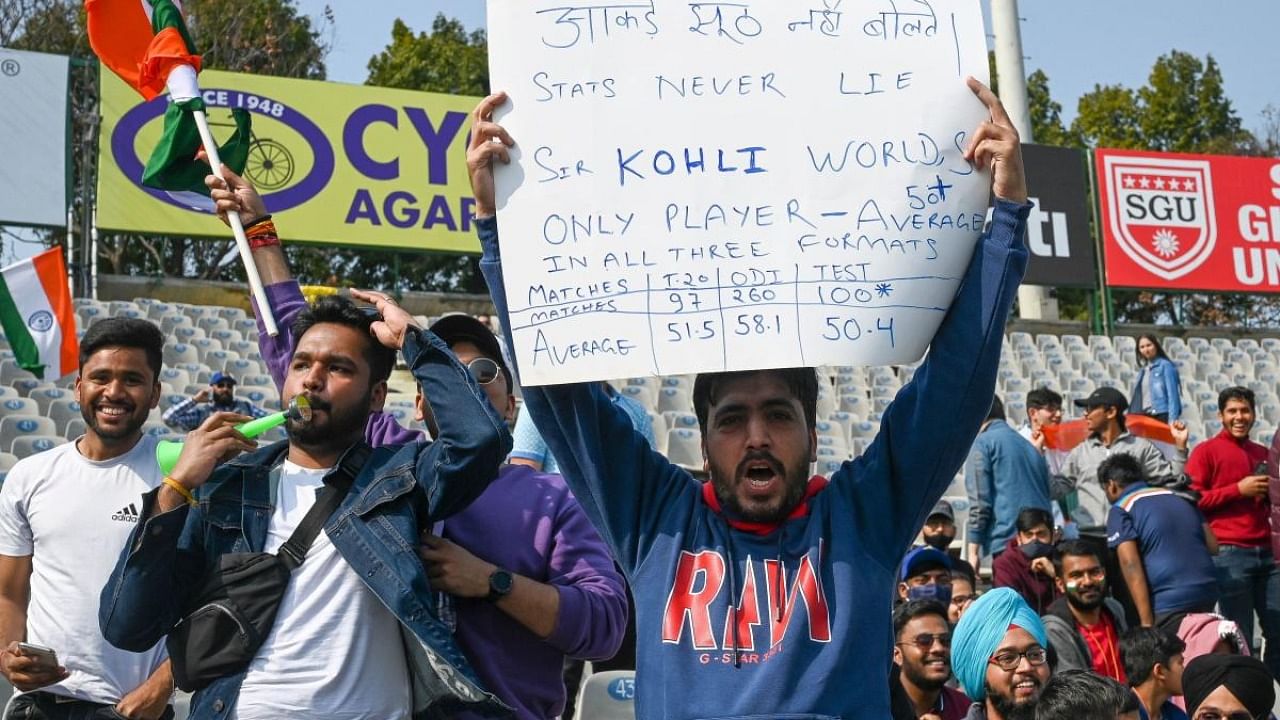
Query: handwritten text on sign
[{"x": 737, "y": 185}]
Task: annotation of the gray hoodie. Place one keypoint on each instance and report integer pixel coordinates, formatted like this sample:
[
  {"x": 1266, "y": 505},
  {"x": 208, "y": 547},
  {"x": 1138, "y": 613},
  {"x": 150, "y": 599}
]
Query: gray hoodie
[
  {"x": 1065, "y": 640},
  {"x": 1080, "y": 474}
]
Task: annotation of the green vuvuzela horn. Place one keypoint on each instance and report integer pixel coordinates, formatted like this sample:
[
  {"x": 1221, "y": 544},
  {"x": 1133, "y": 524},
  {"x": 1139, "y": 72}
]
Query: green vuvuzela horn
[{"x": 168, "y": 451}]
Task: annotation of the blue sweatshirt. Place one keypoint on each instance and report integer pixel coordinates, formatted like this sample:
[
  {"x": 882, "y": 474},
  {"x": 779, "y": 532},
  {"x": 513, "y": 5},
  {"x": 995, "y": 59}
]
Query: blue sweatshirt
[
  {"x": 1005, "y": 473},
  {"x": 792, "y": 621}
]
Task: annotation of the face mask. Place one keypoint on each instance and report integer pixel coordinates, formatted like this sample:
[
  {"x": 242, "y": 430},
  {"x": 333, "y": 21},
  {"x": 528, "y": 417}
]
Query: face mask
[
  {"x": 932, "y": 591},
  {"x": 939, "y": 541},
  {"x": 1036, "y": 549}
]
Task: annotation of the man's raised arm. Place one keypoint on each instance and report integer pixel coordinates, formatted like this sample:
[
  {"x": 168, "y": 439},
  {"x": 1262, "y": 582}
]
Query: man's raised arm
[
  {"x": 929, "y": 428},
  {"x": 621, "y": 483},
  {"x": 237, "y": 195},
  {"x": 473, "y": 439}
]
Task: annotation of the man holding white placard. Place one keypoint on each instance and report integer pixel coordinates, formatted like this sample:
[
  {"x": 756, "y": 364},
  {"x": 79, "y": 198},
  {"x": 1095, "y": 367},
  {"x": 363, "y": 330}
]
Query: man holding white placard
[{"x": 764, "y": 592}]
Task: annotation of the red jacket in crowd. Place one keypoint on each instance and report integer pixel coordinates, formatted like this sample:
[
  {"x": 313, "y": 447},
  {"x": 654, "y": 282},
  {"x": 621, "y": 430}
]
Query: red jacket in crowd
[{"x": 1216, "y": 466}]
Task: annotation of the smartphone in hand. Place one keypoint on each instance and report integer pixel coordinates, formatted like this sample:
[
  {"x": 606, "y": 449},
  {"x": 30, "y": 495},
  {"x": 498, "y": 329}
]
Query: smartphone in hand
[{"x": 43, "y": 655}]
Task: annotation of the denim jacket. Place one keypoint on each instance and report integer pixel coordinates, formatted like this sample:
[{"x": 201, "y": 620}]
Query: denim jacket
[
  {"x": 400, "y": 491},
  {"x": 1165, "y": 390},
  {"x": 1004, "y": 474}
]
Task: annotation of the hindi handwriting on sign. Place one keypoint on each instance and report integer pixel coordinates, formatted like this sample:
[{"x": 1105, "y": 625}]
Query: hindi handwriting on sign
[
  {"x": 595, "y": 23},
  {"x": 702, "y": 186}
]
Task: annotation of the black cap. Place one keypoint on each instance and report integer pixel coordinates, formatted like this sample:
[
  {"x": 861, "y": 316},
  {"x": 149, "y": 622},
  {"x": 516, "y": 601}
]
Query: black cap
[
  {"x": 1104, "y": 397},
  {"x": 461, "y": 327},
  {"x": 943, "y": 508}
]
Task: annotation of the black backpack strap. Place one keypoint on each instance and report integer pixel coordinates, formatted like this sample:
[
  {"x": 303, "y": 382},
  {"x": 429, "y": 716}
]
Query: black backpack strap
[{"x": 336, "y": 485}]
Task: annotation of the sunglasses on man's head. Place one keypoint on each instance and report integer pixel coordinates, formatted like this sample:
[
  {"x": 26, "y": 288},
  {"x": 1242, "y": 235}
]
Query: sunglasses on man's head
[
  {"x": 484, "y": 370},
  {"x": 224, "y": 385}
]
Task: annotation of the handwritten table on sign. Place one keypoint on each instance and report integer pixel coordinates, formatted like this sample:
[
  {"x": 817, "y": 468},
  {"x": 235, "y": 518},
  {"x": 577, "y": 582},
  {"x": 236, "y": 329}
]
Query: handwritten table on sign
[{"x": 729, "y": 186}]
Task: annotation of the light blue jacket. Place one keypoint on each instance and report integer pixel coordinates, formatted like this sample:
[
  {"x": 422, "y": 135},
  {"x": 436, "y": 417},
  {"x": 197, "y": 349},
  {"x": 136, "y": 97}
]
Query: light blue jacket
[
  {"x": 1165, "y": 389},
  {"x": 1005, "y": 474}
]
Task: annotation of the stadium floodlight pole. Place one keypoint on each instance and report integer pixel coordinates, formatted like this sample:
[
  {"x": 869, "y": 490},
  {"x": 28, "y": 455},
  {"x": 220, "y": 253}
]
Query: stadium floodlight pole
[
  {"x": 237, "y": 228},
  {"x": 1034, "y": 302}
]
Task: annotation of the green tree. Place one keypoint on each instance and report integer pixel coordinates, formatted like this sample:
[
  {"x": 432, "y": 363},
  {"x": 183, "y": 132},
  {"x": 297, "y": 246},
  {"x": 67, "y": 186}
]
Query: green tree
[
  {"x": 264, "y": 37},
  {"x": 53, "y": 26},
  {"x": 1046, "y": 114},
  {"x": 1268, "y": 142},
  {"x": 1182, "y": 108},
  {"x": 446, "y": 60},
  {"x": 1109, "y": 117}
]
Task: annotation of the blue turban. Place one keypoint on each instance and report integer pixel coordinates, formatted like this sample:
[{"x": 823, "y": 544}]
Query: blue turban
[{"x": 981, "y": 630}]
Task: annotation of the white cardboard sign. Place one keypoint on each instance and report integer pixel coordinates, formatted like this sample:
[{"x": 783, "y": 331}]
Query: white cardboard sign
[{"x": 706, "y": 186}]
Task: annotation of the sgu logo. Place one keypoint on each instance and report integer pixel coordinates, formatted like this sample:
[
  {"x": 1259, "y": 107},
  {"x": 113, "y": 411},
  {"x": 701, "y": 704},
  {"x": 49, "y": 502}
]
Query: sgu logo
[
  {"x": 1161, "y": 212},
  {"x": 700, "y": 581}
]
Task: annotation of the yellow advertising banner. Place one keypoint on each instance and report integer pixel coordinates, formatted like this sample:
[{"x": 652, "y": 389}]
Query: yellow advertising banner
[{"x": 337, "y": 164}]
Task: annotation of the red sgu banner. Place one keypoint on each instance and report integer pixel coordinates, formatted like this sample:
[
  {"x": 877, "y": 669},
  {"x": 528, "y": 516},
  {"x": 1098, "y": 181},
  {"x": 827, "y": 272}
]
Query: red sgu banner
[{"x": 1190, "y": 222}]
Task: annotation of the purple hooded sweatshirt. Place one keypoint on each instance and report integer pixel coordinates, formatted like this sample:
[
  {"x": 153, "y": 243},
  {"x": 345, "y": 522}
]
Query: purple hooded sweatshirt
[{"x": 525, "y": 522}]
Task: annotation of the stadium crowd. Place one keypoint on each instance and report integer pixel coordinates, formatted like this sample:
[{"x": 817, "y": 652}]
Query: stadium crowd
[{"x": 370, "y": 565}]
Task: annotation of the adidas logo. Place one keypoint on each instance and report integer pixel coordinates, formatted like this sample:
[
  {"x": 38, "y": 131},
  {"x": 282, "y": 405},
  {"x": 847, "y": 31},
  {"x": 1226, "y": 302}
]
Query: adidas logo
[{"x": 129, "y": 513}]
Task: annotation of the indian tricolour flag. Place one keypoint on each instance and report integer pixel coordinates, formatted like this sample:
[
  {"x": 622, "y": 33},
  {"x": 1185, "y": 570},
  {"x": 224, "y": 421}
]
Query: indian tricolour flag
[
  {"x": 1060, "y": 439},
  {"x": 147, "y": 44},
  {"x": 36, "y": 313}
]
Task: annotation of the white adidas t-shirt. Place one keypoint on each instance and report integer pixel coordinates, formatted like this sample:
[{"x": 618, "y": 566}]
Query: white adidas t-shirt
[
  {"x": 335, "y": 651},
  {"x": 74, "y": 516}
]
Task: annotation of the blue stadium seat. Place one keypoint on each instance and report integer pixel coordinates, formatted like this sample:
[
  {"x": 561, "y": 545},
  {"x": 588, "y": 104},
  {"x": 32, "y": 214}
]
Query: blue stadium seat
[
  {"x": 45, "y": 396},
  {"x": 264, "y": 397},
  {"x": 607, "y": 696},
  {"x": 29, "y": 445},
  {"x": 645, "y": 395},
  {"x": 177, "y": 353},
  {"x": 678, "y": 419},
  {"x": 62, "y": 412},
  {"x": 684, "y": 448},
  {"x": 16, "y": 426}
]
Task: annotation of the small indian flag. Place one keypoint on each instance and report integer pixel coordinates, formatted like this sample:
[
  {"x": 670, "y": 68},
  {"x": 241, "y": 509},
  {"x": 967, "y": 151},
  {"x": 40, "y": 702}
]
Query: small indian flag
[{"x": 37, "y": 316}]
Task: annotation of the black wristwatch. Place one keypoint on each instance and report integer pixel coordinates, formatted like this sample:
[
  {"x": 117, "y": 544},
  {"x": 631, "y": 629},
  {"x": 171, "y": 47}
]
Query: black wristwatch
[{"x": 500, "y": 583}]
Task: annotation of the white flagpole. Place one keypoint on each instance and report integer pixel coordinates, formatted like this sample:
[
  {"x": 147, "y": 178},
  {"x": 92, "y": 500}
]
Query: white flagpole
[
  {"x": 71, "y": 251},
  {"x": 93, "y": 254},
  {"x": 237, "y": 228}
]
